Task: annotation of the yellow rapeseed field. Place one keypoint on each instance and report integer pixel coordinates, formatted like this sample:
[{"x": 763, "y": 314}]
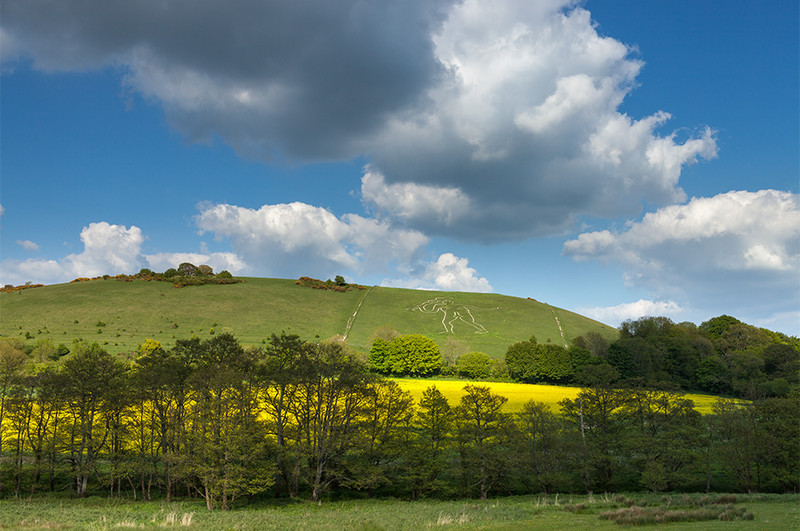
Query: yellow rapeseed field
[{"x": 518, "y": 393}]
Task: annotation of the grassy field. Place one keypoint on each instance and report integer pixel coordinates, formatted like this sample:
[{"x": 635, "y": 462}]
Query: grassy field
[
  {"x": 773, "y": 512},
  {"x": 519, "y": 393},
  {"x": 121, "y": 315}
]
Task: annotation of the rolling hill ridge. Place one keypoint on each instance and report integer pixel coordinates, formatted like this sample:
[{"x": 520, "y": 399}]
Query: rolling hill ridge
[{"x": 121, "y": 315}]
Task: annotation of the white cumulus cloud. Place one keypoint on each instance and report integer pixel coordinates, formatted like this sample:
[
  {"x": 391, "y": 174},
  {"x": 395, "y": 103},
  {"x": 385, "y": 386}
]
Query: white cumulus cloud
[
  {"x": 411, "y": 201},
  {"x": 527, "y": 130},
  {"x": 299, "y": 239},
  {"x": 230, "y": 262},
  {"x": 740, "y": 249},
  {"x": 447, "y": 273},
  {"x": 28, "y": 245},
  {"x": 615, "y": 315},
  {"x": 108, "y": 249}
]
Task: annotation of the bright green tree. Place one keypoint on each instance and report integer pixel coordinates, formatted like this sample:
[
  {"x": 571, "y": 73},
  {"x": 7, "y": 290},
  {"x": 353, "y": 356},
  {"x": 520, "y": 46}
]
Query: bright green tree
[
  {"x": 415, "y": 355},
  {"x": 474, "y": 365}
]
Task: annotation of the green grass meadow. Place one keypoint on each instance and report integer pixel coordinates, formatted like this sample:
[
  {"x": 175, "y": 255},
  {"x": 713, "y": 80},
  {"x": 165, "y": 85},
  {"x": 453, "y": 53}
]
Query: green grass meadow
[
  {"x": 506, "y": 320},
  {"x": 773, "y": 512},
  {"x": 252, "y": 310}
]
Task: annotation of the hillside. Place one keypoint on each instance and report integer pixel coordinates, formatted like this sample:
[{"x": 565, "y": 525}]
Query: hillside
[{"x": 121, "y": 315}]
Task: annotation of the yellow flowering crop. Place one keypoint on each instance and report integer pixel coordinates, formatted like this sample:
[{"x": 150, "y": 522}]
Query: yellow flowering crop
[{"x": 519, "y": 393}]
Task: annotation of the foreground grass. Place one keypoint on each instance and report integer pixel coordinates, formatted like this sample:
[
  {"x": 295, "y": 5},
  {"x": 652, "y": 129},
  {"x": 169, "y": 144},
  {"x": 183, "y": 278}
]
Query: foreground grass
[
  {"x": 773, "y": 512},
  {"x": 518, "y": 393}
]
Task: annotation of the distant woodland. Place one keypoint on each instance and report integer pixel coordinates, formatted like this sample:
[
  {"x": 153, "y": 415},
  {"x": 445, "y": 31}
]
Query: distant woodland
[{"x": 722, "y": 356}]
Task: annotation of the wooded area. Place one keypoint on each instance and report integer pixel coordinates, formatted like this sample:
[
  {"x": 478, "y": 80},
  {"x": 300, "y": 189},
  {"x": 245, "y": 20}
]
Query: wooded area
[{"x": 216, "y": 420}]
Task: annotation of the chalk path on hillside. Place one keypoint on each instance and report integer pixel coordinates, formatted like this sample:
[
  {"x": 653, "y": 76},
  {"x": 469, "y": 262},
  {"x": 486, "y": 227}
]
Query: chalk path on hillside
[
  {"x": 451, "y": 313},
  {"x": 558, "y": 324},
  {"x": 355, "y": 313}
]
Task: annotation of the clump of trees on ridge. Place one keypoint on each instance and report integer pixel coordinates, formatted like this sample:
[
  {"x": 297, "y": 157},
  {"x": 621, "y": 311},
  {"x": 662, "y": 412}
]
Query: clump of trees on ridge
[
  {"x": 338, "y": 284},
  {"x": 187, "y": 274}
]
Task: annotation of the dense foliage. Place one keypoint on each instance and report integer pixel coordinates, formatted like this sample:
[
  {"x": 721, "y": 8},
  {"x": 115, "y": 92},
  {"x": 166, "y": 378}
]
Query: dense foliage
[
  {"x": 10, "y": 288},
  {"x": 219, "y": 421},
  {"x": 405, "y": 355},
  {"x": 338, "y": 284},
  {"x": 186, "y": 274},
  {"x": 721, "y": 356}
]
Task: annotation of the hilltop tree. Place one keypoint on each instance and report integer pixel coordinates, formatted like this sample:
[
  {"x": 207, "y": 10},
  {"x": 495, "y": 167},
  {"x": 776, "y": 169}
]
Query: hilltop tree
[
  {"x": 187, "y": 269},
  {"x": 717, "y": 326}
]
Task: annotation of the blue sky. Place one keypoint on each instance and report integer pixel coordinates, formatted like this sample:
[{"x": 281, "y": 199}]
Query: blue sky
[{"x": 615, "y": 158}]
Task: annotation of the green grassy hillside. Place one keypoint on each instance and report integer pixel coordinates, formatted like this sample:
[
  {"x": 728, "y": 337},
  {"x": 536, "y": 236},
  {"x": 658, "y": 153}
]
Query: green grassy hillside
[{"x": 121, "y": 315}]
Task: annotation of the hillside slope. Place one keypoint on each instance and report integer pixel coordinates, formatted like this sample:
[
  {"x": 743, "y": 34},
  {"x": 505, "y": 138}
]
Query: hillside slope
[{"x": 121, "y": 315}]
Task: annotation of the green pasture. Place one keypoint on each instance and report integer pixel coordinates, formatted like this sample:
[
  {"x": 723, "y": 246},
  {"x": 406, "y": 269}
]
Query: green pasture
[
  {"x": 121, "y": 315},
  {"x": 774, "y": 512},
  {"x": 519, "y": 393},
  {"x": 487, "y": 322}
]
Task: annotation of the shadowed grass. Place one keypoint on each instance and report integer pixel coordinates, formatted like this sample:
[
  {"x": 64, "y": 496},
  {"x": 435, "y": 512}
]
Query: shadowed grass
[{"x": 521, "y": 512}]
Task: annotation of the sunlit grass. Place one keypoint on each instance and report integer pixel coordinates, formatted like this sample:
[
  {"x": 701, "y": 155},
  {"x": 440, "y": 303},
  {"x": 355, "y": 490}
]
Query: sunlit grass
[{"x": 132, "y": 312}]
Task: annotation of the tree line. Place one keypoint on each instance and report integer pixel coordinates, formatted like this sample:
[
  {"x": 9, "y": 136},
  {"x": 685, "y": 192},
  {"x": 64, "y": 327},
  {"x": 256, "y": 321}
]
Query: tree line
[
  {"x": 721, "y": 356},
  {"x": 219, "y": 421}
]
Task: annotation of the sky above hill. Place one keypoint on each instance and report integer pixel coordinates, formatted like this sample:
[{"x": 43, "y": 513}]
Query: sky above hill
[{"x": 617, "y": 158}]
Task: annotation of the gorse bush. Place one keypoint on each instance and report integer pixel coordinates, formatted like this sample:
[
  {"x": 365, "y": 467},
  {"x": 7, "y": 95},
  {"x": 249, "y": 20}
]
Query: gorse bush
[{"x": 186, "y": 275}]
